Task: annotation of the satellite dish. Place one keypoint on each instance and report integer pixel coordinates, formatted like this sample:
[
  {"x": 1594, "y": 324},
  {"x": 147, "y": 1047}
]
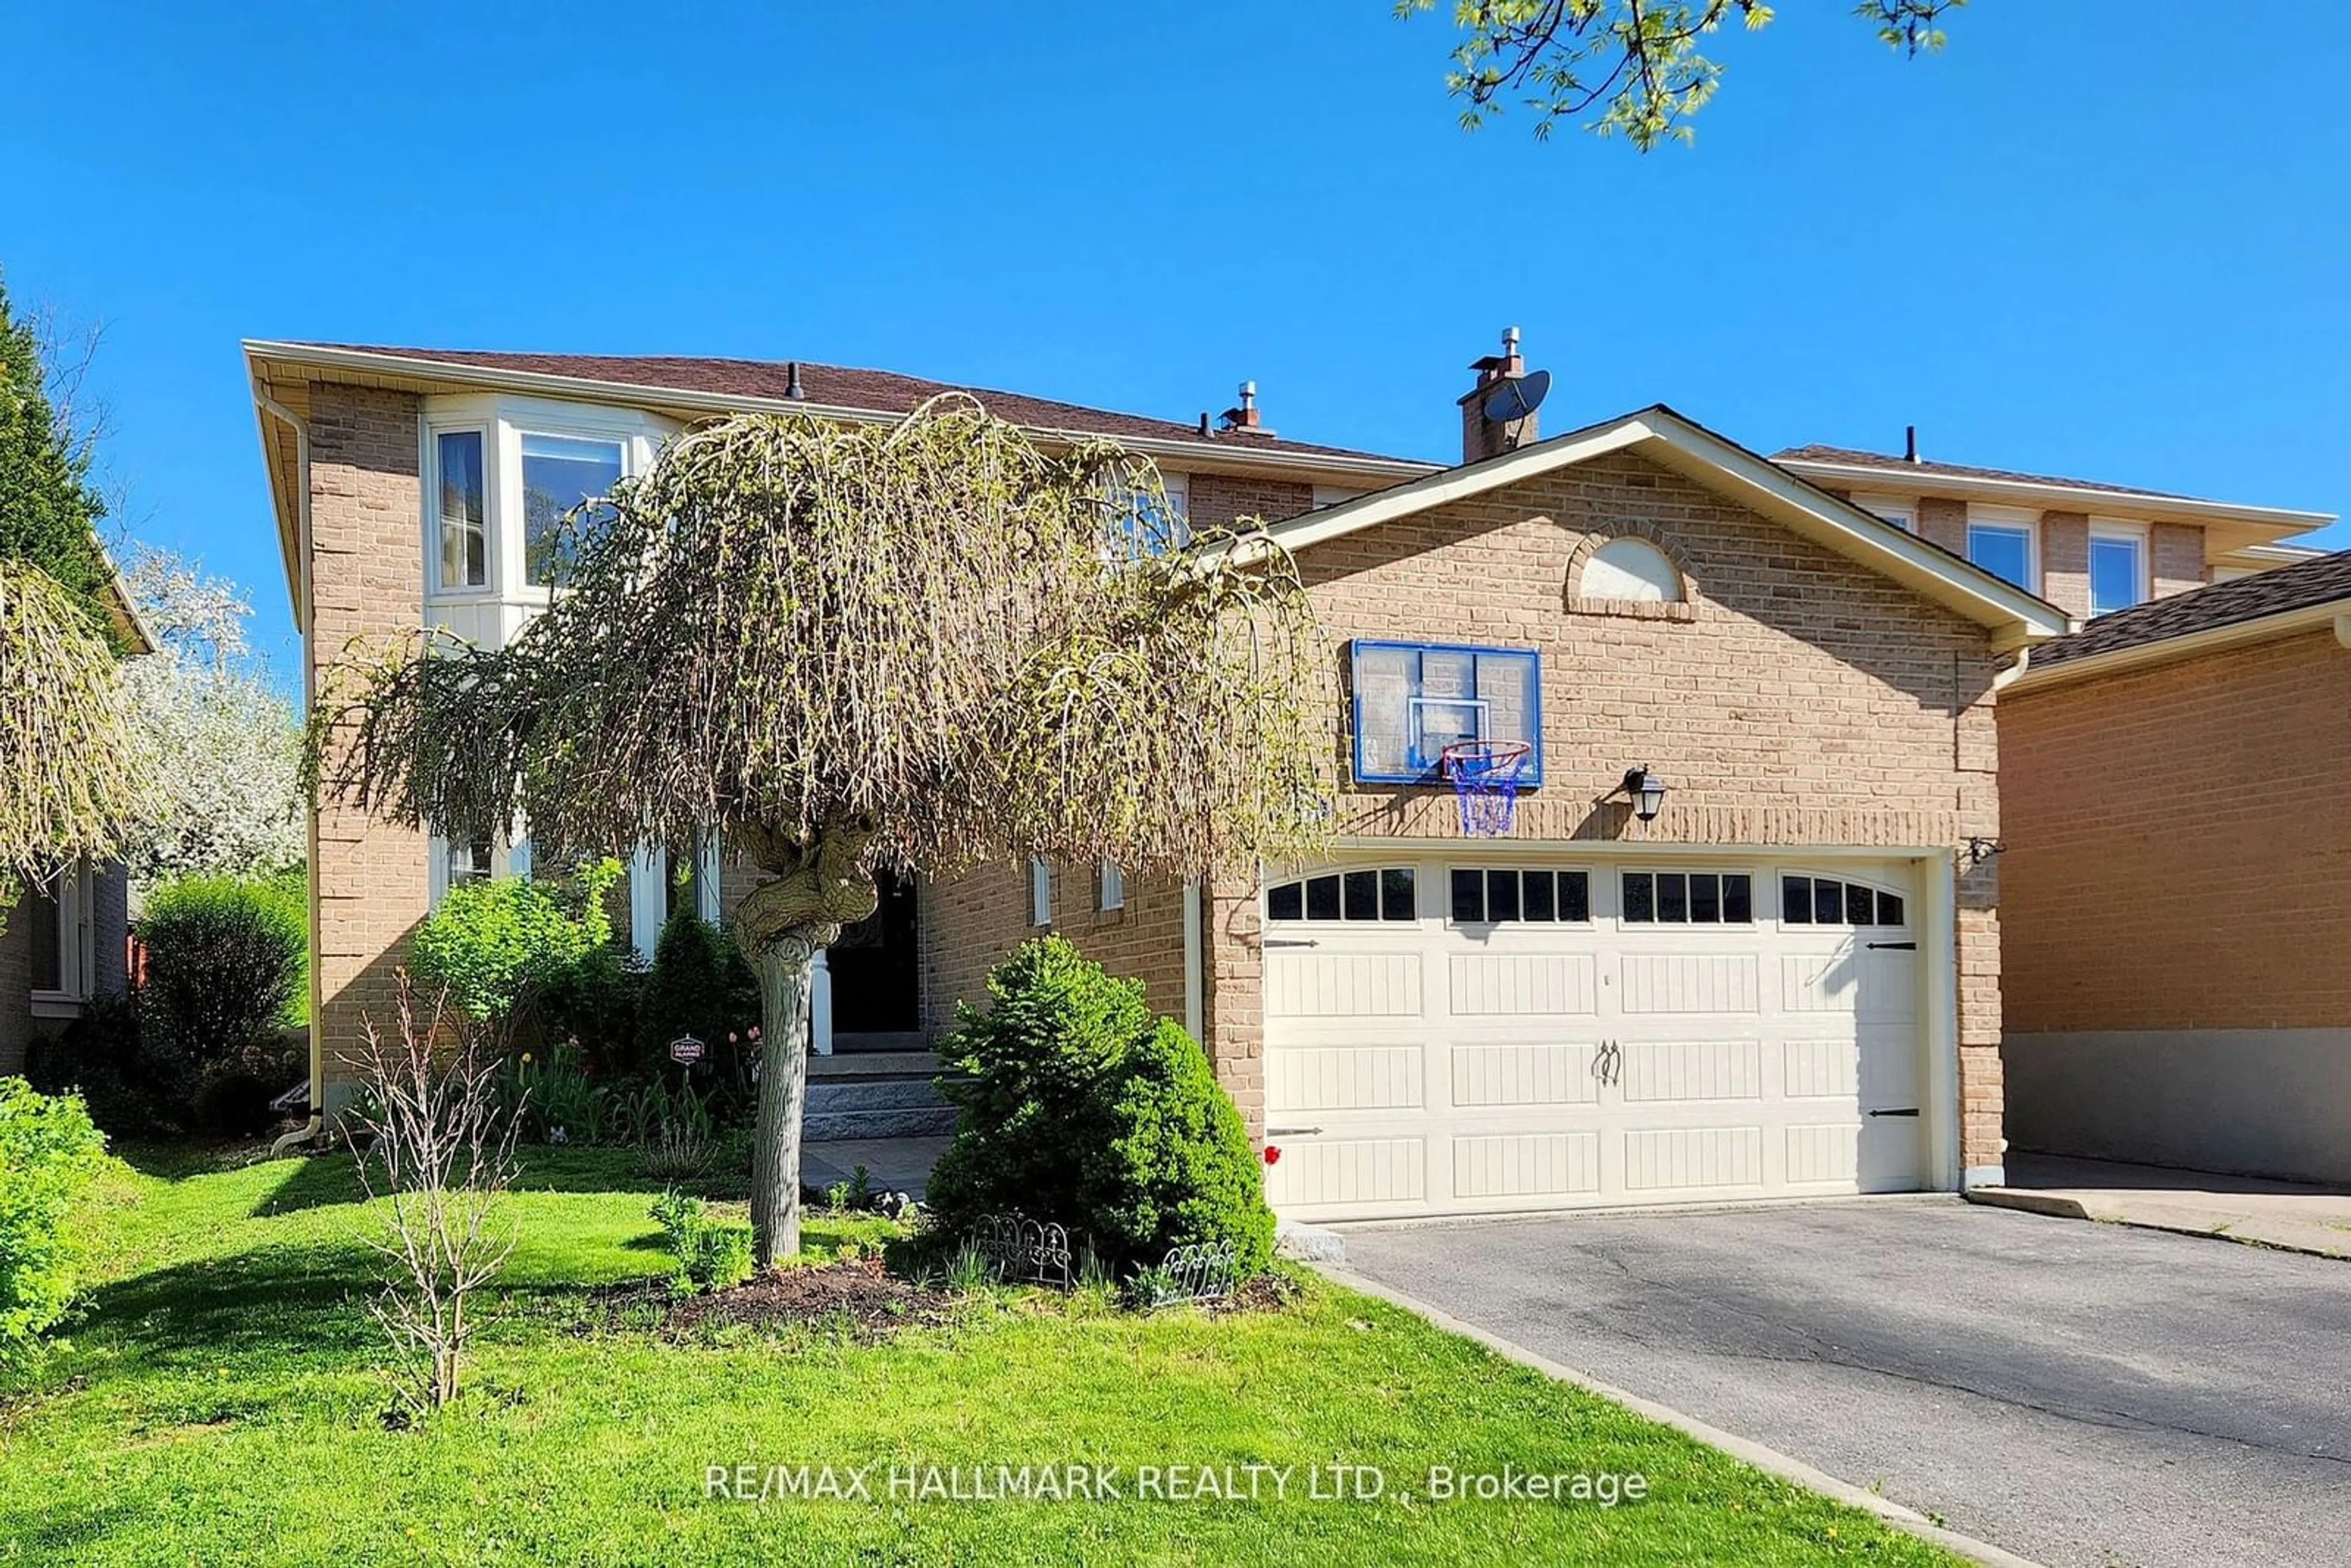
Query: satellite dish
[{"x": 1517, "y": 398}]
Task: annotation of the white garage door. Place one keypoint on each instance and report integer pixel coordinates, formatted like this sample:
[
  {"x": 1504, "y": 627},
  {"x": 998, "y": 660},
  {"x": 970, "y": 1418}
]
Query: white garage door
[{"x": 1459, "y": 1034}]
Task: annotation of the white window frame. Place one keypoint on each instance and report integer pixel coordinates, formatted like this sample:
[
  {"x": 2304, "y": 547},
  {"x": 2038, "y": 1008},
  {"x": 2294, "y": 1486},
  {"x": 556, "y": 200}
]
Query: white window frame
[
  {"x": 1040, "y": 892},
  {"x": 2137, "y": 536},
  {"x": 1901, "y": 512},
  {"x": 2009, "y": 520},
  {"x": 1110, "y": 887},
  {"x": 557, "y": 430},
  {"x": 437, "y": 880},
  {"x": 74, "y": 888},
  {"x": 488, "y": 587},
  {"x": 503, "y": 421}
]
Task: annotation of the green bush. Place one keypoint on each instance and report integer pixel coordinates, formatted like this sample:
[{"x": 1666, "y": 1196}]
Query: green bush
[
  {"x": 1177, "y": 1166},
  {"x": 496, "y": 946},
  {"x": 1083, "y": 1108},
  {"x": 226, "y": 960},
  {"x": 49, "y": 1150},
  {"x": 133, "y": 1083},
  {"x": 700, "y": 985},
  {"x": 711, "y": 1254},
  {"x": 594, "y": 1001}
]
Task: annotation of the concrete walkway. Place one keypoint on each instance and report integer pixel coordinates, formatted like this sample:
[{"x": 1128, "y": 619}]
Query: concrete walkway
[{"x": 2289, "y": 1214}]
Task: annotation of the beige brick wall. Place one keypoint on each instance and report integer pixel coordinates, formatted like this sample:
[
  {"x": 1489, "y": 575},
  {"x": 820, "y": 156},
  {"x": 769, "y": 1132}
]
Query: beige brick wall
[
  {"x": 2179, "y": 841},
  {"x": 2175, "y": 556},
  {"x": 1804, "y": 700},
  {"x": 367, "y": 576},
  {"x": 970, "y": 923},
  {"x": 2065, "y": 560}
]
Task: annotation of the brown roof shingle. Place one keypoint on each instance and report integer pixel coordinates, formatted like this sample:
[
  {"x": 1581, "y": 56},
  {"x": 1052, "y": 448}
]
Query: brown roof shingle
[
  {"x": 2324, "y": 581},
  {"x": 880, "y": 391},
  {"x": 1846, "y": 454}
]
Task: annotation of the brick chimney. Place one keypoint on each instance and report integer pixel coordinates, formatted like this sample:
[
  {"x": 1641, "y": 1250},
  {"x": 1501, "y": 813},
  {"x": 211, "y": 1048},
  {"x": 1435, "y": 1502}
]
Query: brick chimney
[
  {"x": 1482, "y": 437},
  {"x": 1244, "y": 415}
]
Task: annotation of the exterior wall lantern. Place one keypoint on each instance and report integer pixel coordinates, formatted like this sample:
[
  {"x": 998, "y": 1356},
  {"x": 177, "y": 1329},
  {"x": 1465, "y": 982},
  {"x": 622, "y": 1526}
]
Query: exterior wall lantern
[{"x": 1645, "y": 791}]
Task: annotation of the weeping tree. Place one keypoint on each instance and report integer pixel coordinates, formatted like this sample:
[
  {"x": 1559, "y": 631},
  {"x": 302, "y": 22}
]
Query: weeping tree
[
  {"x": 72, "y": 766},
  {"x": 919, "y": 647}
]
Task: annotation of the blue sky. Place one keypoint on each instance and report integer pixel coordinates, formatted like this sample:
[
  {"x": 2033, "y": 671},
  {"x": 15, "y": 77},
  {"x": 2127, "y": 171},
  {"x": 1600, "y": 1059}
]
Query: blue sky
[{"x": 2074, "y": 244}]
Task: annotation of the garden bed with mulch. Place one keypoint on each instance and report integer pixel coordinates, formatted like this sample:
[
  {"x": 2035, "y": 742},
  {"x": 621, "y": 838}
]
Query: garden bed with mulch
[{"x": 859, "y": 1294}]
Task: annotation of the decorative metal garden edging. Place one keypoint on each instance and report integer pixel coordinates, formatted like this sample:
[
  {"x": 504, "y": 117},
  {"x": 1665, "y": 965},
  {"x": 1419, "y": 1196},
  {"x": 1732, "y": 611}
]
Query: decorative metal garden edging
[
  {"x": 1204, "y": 1271},
  {"x": 1024, "y": 1250}
]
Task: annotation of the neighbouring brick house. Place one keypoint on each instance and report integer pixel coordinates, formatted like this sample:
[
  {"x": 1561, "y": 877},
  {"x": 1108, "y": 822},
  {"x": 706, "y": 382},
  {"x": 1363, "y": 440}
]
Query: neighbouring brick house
[
  {"x": 66, "y": 939},
  {"x": 2175, "y": 804},
  {"x": 2089, "y": 549},
  {"x": 1780, "y": 976}
]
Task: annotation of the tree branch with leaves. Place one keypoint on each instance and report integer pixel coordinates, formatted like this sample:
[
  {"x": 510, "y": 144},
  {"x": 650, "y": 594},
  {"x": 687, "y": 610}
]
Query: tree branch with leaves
[
  {"x": 922, "y": 647},
  {"x": 1636, "y": 67},
  {"x": 75, "y": 770}
]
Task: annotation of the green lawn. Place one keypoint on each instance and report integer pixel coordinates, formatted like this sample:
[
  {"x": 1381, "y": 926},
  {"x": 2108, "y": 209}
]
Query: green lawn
[{"x": 219, "y": 1403}]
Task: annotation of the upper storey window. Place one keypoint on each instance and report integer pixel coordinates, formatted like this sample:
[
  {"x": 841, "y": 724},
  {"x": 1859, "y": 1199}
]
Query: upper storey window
[
  {"x": 560, "y": 473},
  {"x": 2118, "y": 576},
  {"x": 463, "y": 490},
  {"x": 2003, "y": 542},
  {"x": 506, "y": 481}
]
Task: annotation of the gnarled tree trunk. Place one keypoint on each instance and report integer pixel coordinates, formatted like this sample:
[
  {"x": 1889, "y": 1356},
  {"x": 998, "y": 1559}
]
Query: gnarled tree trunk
[{"x": 819, "y": 885}]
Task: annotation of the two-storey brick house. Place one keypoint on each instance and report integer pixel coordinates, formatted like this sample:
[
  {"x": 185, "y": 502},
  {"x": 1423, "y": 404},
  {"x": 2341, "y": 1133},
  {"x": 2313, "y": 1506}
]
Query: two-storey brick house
[{"x": 1740, "y": 938}]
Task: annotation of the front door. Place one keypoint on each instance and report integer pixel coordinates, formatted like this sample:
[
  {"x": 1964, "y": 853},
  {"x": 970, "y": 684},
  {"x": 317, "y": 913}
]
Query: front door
[{"x": 876, "y": 988}]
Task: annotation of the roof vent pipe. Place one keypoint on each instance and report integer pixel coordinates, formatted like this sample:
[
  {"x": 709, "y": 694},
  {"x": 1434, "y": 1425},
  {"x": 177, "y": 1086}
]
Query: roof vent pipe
[
  {"x": 1909, "y": 444},
  {"x": 792, "y": 388}
]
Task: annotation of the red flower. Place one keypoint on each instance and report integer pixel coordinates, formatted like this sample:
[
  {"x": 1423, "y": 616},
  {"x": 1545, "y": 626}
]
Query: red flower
[{"x": 1272, "y": 1155}]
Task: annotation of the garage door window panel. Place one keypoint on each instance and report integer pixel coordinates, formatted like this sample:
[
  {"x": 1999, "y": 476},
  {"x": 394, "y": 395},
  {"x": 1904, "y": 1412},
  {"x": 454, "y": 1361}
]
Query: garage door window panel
[
  {"x": 1688, "y": 898},
  {"x": 1351, "y": 897},
  {"x": 1812, "y": 900},
  {"x": 1510, "y": 896}
]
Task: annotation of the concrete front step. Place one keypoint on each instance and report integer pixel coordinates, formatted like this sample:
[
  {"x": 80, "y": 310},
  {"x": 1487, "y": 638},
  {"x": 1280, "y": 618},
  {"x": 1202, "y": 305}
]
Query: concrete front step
[
  {"x": 828, "y": 1094},
  {"x": 874, "y": 1064},
  {"x": 895, "y": 1122}
]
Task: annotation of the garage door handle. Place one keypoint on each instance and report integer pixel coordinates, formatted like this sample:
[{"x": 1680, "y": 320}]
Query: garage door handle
[
  {"x": 1292, "y": 1132},
  {"x": 1276, "y": 942},
  {"x": 1903, "y": 947},
  {"x": 1909, "y": 1110}
]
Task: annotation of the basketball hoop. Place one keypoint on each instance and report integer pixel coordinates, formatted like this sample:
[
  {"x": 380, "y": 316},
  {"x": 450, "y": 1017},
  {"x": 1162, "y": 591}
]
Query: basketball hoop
[{"x": 1485, "y": 775}]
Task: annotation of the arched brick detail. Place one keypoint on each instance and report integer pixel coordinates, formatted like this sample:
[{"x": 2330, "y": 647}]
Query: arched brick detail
[{"x": 1577, "y": 603}]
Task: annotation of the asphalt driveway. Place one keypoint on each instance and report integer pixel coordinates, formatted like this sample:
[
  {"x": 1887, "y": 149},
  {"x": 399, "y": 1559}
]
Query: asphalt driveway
[{"x": 2079, "y": 1393}]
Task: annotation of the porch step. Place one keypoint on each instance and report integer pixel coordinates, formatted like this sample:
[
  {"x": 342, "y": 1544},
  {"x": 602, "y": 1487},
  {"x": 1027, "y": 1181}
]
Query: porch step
[
  {"x": 869, "y": 1043},
  {"x": 874, "y": 1064},
  {"x": 825, "y": 1094},
  {"x": 896, "y": 1122}
]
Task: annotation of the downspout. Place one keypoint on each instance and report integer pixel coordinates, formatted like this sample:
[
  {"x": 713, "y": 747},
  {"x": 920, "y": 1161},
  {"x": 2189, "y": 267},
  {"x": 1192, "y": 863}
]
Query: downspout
[
  {"x": 1196, "y": 1007},
  {"x": 2003, "y": 679},
  {"x": 317, "y": 1124}
]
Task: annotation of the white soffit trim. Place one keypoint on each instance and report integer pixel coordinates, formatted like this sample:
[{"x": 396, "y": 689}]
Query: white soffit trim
[
  {"x": 2211, "y": 640},
  {"x": 2044, "y": 496},
  {"x": 1667, "y": 439}
]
